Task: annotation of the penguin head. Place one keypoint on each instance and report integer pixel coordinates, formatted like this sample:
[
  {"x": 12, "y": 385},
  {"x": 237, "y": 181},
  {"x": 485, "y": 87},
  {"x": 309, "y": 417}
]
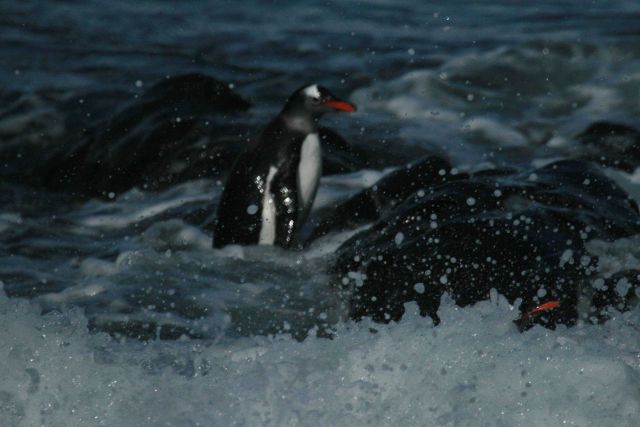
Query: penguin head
[{"x": 315, "y": 100}]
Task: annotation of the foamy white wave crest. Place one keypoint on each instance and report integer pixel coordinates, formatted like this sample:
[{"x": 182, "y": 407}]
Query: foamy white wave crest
[{"x": 473, "y": 369}]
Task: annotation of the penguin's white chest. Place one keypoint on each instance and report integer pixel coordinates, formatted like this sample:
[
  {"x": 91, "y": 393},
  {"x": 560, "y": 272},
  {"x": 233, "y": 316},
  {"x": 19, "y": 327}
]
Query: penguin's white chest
[{"x": 309, "y": 172}]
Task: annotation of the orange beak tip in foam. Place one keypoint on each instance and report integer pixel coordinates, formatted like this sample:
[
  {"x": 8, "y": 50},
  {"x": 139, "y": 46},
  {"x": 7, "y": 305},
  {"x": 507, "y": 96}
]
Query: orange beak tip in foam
[{"x": 544, "y": 307}]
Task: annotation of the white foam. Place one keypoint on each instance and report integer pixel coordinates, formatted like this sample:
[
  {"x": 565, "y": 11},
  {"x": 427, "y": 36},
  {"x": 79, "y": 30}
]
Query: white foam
[
  {"x": 175, "y": 234},
  {"x": 9, "y": 220},
  {"x": 72, "y": 294},
  {"x": 517, "y": 96},
  {"x": 122, "y": 220},
  {"x": 494, "y": 132},
  {"x": 630, "y": 182},
  {"x": 135, "y": 206},
  {"x": 473, "y": 369},
  {"x": 334, "y": 188},
  {"x": 619, "y": 255},
  {"x": 94, "y": 267}
]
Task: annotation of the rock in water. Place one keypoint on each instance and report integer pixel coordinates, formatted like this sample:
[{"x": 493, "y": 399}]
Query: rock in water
[
  {"x": 372, "y": 203},
  {"x": 521, "y": 233},
  {"x": 611, "y": 144},
  {"x": 179, "y": 129}
]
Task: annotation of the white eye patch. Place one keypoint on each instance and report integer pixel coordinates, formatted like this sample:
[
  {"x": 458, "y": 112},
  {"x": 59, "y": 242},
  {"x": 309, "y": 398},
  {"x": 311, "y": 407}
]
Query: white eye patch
[{"x": 312, "y": 91}]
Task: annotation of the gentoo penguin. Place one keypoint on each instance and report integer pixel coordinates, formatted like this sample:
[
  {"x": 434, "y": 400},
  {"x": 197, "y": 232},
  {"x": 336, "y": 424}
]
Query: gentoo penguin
[{"x": 272, "y": 185}]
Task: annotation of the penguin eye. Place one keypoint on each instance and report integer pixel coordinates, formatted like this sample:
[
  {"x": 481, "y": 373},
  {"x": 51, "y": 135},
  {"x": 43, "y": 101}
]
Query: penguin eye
[{"x": 315, "y": 100}]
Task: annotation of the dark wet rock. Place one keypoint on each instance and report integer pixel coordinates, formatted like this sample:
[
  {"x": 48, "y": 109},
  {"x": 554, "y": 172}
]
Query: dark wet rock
[
  {"x": 376, "y": 201},
  {"x": 611, "y": 144},
  {"x": 28, "y": 124},
  {"x": 181, "y": 128},
  {"x": 87, "y": 110},
  {"x": 191, "y": 94},
  {"x": 521, "y": 233}
]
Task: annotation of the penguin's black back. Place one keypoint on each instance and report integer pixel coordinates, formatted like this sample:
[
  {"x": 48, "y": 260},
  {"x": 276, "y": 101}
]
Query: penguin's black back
[{"x": 277, "y": 146}]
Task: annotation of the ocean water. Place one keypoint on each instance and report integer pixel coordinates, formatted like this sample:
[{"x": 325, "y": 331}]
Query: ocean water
[{"x": 117, "y": 312}]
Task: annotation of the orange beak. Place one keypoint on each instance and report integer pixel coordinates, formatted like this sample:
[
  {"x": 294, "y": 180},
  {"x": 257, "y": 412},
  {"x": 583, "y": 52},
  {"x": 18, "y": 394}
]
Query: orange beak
[{"x": 341, "y": 105}]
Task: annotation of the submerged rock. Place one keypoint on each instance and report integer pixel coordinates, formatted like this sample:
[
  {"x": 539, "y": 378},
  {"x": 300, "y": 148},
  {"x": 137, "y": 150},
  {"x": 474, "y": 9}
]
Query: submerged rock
[
  {"x": 611, "y": 144},
  {"x": 522, "y": 233}
]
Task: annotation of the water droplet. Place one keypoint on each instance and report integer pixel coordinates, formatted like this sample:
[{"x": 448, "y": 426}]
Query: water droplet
[{"x": 399, "y": 238}]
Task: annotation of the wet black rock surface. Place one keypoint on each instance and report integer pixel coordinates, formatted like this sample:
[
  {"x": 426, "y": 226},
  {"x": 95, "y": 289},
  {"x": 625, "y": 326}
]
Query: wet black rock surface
[
  {"x": 181, "y": 128},
  {"x": 611, "y": 144},
  {"x": 376, "y": 201},
  {"x": 520, "y": 232}
]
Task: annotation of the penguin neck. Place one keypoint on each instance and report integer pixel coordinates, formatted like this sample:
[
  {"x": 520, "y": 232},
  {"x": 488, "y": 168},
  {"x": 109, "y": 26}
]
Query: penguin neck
[{"x": 301, "y": 122}]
